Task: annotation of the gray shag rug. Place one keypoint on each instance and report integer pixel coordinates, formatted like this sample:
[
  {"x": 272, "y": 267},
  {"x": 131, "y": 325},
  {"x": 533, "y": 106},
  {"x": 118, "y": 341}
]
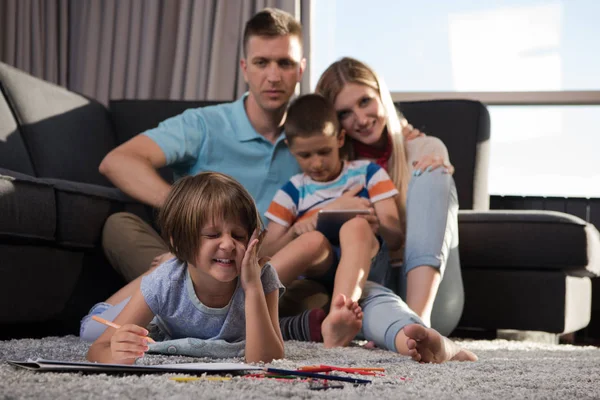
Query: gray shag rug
[{"x": 505, "y": 370}]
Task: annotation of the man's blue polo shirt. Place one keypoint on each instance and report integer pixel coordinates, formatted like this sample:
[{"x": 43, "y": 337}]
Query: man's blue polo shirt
[{"x": 220, "y": 138}]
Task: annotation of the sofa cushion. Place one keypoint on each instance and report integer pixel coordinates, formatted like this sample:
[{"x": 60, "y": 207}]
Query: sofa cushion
[
  {"x": 464, "y": 127},
  {"x": 71, "y": 214},
  {"x": 131, "y": 117},
  {"x": 13, "y": 153},
  {"x": 82, "y": 210},
  {"x": 66, "y": 134},
  {"x": 28, "y": 208},
  {"x": 528, "y": 300},
  {"x": 528, "y": 240}
]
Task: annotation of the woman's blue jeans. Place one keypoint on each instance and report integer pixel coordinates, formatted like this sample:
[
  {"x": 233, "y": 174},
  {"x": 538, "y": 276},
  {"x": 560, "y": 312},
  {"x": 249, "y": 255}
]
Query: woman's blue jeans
[{"x": 431, "y": 236}]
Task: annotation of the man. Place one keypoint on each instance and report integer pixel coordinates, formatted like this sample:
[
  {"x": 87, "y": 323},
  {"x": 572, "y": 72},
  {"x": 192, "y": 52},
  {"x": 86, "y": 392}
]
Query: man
[{"x": 242, "y": 139}]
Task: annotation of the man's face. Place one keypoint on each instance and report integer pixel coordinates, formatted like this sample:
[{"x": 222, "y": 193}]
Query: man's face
[{"x": 272, "y": 68}]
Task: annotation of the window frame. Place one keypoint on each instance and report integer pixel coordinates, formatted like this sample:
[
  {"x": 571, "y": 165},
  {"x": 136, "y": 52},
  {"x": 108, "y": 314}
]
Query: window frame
[{"x": 557, "y": 98}]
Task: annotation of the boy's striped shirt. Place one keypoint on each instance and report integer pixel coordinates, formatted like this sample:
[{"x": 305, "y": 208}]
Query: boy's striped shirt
[{"x": 301, "y": 196}]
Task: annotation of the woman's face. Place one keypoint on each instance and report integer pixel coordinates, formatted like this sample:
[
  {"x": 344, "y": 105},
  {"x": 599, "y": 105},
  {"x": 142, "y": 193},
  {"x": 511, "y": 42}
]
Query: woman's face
[{"x": 361, "y": 113}]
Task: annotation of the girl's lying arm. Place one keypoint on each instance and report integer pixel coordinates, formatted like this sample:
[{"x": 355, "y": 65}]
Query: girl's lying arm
[
  {"x": 263, "y": 336},
  {"x": 129, "y": 342}
]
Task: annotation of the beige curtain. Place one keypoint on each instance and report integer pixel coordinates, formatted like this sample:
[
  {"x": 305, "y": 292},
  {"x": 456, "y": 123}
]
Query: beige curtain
[
  {"x": 133, "y": 49},
  {"x": 33, "y": 37}
]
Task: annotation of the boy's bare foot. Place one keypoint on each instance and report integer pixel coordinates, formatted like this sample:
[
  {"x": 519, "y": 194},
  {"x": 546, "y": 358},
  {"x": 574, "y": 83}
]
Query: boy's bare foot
[
  {"x": 343, "y": 322},
  {"x": 428, "y": 345}
]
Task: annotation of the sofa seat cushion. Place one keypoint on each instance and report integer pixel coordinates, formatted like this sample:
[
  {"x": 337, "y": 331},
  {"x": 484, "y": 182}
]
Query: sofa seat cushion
[
  {"x": 540, "y": 240},
  {"x": 28, "y": 208},
  {"x": 71, "y": 214},
  {"x": 83, "y": 208}
]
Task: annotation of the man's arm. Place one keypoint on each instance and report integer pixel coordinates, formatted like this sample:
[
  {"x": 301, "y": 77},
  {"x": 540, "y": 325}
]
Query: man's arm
[{"x": 132, "y": 167}]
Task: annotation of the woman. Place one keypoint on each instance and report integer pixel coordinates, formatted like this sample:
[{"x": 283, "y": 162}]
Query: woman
[{"x": 428, "y": 203}]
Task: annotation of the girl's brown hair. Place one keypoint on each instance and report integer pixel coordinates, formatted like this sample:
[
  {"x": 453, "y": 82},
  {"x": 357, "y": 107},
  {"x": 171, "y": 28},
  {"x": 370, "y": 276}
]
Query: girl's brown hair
[
  {"x": 349, "y": 70},
  {"x": 197, "y": 200}
]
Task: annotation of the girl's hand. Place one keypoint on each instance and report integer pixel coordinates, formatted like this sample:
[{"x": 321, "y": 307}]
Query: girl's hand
[
  {"x": 250, "y": 269},
  {"x": 429, "y": 163},
  {"x": 128, "y": 343}
]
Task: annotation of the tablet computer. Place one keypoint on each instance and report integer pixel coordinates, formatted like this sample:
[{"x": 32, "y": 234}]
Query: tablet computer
[{"x": 329, "y": 222}]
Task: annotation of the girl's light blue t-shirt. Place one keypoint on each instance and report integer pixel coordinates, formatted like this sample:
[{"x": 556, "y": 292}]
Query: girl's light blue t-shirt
[{"x": 169, "y": 292}]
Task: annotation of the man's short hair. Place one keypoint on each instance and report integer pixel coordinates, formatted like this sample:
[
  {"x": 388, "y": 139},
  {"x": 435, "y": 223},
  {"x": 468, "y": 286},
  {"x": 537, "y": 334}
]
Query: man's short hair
[
  {"x": 311, "y": 115},
  {"x": 272, "y": 22}
]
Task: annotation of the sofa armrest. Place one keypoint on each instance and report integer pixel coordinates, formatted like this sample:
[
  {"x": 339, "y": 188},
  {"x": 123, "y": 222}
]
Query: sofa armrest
[
  {"x": 27, "y": 207},
  {"x": 68, "y": 213},
  {"x": 534, "y": 240}
]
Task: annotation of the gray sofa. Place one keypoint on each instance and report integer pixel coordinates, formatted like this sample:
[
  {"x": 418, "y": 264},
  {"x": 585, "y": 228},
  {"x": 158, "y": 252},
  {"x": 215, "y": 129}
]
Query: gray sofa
[{"x": 521, "y": 270}]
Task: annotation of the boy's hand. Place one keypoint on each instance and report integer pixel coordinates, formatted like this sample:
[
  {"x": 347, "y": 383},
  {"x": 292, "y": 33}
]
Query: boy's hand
[
  {"x": 304, "y": 226},
  {"x": 128, "y": 343},
  {"x": 349, "y": 201},
  {"x": 372, "y": 219},
  {"x": 250, "y": 269}
]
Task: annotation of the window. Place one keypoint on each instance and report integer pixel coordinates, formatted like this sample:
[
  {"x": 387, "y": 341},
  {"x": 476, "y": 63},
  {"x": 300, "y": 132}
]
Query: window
[{"x": 535, "y": 63}]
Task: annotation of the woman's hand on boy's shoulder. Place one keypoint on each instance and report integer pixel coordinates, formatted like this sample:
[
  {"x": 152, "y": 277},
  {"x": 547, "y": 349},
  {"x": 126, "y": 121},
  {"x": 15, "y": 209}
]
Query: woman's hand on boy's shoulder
[{"x": 410, "y": 132}]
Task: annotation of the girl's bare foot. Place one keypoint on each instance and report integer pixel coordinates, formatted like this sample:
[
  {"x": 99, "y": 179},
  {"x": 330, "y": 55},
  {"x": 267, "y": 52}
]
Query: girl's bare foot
[
  {"x": 428, "y": 345},
  {"x": 343, "y": 322}
]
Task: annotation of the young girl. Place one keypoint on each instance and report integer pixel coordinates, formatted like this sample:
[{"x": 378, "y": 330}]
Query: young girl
[{"x": 208, "y": 289}]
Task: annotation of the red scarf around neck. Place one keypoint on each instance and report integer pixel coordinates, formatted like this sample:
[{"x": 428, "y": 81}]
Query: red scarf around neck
[{"x": 381, "y": 156}]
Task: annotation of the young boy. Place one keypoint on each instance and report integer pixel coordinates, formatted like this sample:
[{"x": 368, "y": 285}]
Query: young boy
[{"x": 314, "y": 138}]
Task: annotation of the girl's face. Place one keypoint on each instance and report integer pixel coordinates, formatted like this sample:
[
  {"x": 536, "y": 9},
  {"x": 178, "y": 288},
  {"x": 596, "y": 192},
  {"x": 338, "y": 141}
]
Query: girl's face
[
  {"x": 222, "y": 248},
  {"x": 361, "y": 113}
]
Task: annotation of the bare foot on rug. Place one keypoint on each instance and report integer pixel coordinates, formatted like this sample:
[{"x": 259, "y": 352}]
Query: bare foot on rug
[
  {"x": 428, "y": 345},
  {"x": 343, "y": 322}
]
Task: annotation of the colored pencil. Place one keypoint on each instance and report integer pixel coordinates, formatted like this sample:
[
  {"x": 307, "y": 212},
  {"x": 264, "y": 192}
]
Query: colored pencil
[
  {"x": 317, "y": 376},
  {"x": 113, "y": 325}
]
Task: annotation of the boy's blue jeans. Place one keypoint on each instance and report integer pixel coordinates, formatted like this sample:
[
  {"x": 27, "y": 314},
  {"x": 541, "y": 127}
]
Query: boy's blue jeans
[{"x": 432, "y": 229}]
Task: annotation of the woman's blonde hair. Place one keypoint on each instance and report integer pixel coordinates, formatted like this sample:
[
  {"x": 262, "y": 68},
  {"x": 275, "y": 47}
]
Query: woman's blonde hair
[
  {"x": 194, "y": 201},
  {"x": 349, "y": 70}
]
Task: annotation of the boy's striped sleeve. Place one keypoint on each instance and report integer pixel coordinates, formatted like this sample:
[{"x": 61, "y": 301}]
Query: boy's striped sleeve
[
  {"x": 379, "y": 183},
  {"x": 284, "y": 207}
]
